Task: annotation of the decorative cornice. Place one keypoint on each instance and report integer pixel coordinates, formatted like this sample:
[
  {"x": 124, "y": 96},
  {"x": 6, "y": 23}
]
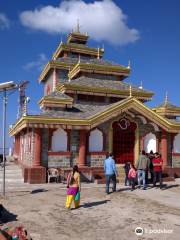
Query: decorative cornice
[
  {"x": 116, "y": 70},
  {"x": 52, "y": 64},
  {"x": 77, "y": 48},
  {"x": 100, "y": 117},
  {"x": 77, "y": 36},
  {"x": 54, "y": 102},
  {"x": 66, "y": 87}
]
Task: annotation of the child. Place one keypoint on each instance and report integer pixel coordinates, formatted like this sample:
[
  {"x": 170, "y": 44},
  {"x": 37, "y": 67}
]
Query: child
[{"x": 132, "y": 176}]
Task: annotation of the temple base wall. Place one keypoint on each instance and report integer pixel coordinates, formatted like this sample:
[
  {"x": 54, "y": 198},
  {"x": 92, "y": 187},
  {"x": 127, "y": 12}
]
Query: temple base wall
[
  {"x": 176, "y": 161},
  {"x": 34, "y": 175},
  {"x": 95, "y": 160},
  {"x": 59, "y": 161}
]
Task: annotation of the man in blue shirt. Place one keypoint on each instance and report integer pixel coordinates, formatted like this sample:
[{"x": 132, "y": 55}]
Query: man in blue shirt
[{"x": 110, "y": 172}]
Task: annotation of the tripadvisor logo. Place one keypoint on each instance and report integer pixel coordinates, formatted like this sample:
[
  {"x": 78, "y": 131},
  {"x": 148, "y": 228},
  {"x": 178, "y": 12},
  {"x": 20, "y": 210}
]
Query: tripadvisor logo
[{"x": 139, "y": 231}]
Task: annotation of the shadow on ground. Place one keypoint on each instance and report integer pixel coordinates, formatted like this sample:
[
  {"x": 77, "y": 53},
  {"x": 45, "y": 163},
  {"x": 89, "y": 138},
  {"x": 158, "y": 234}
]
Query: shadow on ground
[
  {"x": 92, "y": 204},
  {"x": 165, "y": 186},
  {"x": 39, "y": 190}
]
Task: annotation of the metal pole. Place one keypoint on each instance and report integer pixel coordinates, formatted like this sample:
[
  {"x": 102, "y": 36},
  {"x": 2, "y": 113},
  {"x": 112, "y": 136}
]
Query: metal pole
[{"x": 4, "y": 137}]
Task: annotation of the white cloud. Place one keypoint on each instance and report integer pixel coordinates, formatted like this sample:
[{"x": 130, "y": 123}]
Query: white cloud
[
  {"x": 38, "y": 64},
  {"x": 103, "y": 20},
  {"x": 4, "y": 21}
]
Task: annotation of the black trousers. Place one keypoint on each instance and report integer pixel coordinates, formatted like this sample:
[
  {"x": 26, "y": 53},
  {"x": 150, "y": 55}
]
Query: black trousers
[
  {"x": 157, "y": 176},
  {"x": 132, "y": 181}
]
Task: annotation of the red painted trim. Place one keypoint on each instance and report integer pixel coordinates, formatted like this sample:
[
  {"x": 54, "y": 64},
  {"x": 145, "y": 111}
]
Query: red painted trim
[
  {"x": 59, "y": 153},
  {"x": 97, "y": 153},
  {"x": 176, "y": 154}
]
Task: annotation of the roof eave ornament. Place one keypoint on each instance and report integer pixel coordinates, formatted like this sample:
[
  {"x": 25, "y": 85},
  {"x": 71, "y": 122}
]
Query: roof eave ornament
[
  {"x": 129, "y": 65},
  {"x": 78, "y": 26},
  {"x": 166, "y": 98},
  {"x": 79, "y": 60},
  {"x": 69, "y": 79},
  {"x": 141, "y": 86},
  {"x": 130, "y": 91},
  {"x": 98, "y": 54}
]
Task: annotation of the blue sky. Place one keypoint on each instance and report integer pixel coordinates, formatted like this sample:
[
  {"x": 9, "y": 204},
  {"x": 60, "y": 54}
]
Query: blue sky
[{"x": 152, "y": 46}]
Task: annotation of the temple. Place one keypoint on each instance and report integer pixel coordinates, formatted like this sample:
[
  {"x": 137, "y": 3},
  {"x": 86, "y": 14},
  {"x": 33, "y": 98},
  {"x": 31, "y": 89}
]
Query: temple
[{"x": 86, "y": 111}]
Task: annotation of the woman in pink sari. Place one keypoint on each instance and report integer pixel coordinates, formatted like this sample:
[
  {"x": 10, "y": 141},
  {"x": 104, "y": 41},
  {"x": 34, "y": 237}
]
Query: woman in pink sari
[{"x": 73, "y": 188}]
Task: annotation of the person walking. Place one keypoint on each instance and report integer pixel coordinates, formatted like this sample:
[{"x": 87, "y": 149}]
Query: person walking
[
  {"x": 126, "y": 171},
  {"x": 110, "y": 172},
  {"x": 142, "y": 166},
  {"x": 132, "y": 176},
  {"x": 157, "y": 167},
  {"x": 73, "y": 188}
]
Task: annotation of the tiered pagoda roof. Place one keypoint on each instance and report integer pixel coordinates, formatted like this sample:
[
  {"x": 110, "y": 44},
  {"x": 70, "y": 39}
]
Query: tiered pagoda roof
[
  {"x": 56, "y": 99},
  {"x": 111, "y": 88},
  {"x": 167, "y": 109},
  {"x": 86, "y": 90}
]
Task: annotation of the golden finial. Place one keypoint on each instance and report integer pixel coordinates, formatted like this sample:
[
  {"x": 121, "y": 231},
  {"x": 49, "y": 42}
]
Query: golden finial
[
  {"x": 61, "y": 41},
  {"x": 130, "y": 91},
  {"x": 69, "y": 79},
  {"x": 141, "y": 86},
  {"x": 98, "y": 56},
  {"x": 102, "y": 49},
  {"x": 79, "y": 58},
  {"x": 78, "y": 26},
  {"x": 129, "y": 64},
  {"x": 166, "y": 98}
]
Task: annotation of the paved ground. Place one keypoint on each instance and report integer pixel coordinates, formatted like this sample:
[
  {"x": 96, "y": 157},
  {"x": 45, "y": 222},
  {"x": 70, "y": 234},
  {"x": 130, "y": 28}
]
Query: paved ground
[{"x": 40, "y": 208}]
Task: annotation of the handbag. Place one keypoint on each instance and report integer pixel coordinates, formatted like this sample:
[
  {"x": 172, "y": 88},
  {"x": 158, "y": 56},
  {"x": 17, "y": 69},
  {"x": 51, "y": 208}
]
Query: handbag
[{"x": 77, "y": 197}]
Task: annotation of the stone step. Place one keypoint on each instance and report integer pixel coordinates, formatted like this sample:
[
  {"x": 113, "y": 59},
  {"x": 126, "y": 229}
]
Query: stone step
[
  {"x": 11, "y": 173},
  {"x": 15, "y": 180}
]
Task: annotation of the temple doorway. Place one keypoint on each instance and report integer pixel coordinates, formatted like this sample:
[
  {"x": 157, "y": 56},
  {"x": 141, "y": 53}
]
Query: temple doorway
[{"x": 123, "y": 140}]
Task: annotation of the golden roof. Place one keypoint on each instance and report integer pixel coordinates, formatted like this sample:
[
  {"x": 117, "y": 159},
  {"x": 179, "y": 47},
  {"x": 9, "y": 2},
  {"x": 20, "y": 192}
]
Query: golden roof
[
  {"x": 116, "y": 70},
  {"x": 94, "y": 120},
  {"x": 56, "y": 99},
  {"x": 167, "y": 109}
]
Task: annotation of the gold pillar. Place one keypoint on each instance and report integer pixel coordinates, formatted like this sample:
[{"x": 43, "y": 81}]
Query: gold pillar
[
  {"x": 110, "y": 139},
  {"x": 136, "y": 146}
]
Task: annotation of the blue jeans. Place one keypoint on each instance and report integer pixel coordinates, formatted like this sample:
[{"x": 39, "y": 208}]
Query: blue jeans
[
  {"x": 108, "y": 179},
  {"x": 141, "y": 173}
]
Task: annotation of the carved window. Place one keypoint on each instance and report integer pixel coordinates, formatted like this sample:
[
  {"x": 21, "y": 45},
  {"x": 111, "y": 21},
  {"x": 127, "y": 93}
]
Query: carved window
[
  {"x": 176, "y": 145},
  {"x": 59, "y": 141},
  {"x": 150, "y": 143},
  {"x": 96, "y": 141}
]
